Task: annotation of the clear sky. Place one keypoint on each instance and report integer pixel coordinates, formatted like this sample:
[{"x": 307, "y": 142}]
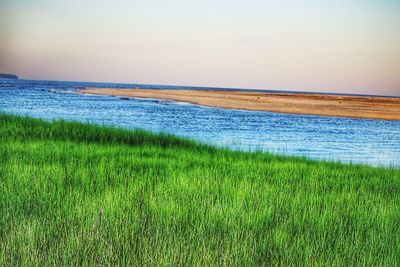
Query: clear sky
[{"x": 350, "y": 46}]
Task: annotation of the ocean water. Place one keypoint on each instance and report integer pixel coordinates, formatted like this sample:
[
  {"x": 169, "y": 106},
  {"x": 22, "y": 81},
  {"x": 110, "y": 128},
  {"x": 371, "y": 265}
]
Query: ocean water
[{"x": 372, "y": 142}]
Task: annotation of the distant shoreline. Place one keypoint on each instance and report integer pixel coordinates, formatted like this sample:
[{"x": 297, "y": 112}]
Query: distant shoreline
[
  {"x": 368, "y": 107},
  {"x": 8, "y": 76}
]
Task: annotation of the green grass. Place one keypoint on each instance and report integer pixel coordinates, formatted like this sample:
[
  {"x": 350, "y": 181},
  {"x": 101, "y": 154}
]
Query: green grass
[{"x": 76, "y": 194}]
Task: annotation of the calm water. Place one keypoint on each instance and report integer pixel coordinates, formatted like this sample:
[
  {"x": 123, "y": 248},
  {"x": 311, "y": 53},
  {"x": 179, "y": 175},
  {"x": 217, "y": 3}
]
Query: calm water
[{"x": 340, "y": 139}]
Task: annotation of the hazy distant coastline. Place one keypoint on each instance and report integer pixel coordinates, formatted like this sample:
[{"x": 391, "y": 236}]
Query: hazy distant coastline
[{"x": 8, "y": 76}]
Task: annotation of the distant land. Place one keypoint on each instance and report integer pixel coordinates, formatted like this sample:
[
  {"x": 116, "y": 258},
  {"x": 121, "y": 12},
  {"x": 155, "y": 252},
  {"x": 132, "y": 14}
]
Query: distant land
[
  {"x": 368, "y": 107},
  {"x": 8, "y": 76}
]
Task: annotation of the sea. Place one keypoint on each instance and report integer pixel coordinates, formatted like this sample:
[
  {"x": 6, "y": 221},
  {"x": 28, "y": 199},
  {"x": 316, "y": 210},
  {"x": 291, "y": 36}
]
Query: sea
[{"x": 347, "y": 140}]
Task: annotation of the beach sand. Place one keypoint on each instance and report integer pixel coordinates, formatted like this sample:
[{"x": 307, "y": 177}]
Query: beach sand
[{"x": 384, "y": 108}]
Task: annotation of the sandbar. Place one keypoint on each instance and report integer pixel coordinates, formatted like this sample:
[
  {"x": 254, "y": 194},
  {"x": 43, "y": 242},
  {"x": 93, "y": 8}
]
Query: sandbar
[{"x": 369, "y": 107}]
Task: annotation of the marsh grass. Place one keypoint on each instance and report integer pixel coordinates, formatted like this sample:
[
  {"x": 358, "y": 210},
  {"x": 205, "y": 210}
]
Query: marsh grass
[{"x": 78, "y": 194}]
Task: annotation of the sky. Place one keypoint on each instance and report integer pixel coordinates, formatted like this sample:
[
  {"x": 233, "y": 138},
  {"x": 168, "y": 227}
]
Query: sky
[{"x": 344, "y": 46}]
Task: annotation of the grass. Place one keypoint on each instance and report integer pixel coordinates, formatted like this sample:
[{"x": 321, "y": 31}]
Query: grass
[{"x": 77, "y": 194}]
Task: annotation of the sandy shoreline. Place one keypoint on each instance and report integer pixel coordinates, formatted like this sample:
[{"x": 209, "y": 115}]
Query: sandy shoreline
[{"x": 308, "y": 104}]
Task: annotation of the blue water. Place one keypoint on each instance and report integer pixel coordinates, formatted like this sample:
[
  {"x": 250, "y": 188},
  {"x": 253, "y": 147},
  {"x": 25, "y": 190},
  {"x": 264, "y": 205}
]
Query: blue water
[{"x": 363, "y": 141}]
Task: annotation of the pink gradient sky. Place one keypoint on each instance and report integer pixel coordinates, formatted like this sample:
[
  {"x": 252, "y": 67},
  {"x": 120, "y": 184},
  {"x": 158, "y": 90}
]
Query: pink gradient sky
[{"x": 350, "y": 46}]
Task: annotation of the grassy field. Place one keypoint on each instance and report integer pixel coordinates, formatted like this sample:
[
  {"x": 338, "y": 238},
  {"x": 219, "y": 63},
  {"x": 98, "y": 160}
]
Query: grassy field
[{"x": 76, "y": 194}]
